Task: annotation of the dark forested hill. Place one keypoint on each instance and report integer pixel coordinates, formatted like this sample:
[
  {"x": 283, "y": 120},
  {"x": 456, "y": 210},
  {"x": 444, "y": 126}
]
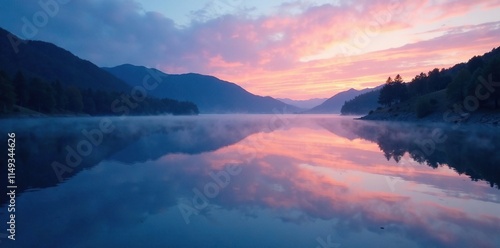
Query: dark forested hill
[
  {"x": 39, "y": 78},
  {"x": 468, "y": 91},
  {"x": 361, "y": 104},
  {"x": 48, "y": 62}
]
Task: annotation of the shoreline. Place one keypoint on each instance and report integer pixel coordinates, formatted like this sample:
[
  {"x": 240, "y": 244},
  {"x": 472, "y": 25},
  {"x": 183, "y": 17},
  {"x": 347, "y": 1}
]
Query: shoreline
[{"x": 488, "y": 118}]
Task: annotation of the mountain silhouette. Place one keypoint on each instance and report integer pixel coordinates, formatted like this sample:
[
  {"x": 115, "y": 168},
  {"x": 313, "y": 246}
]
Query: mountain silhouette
[
  {"x": 209, "y": 93},
  {"x": 50, "y": 63},
  {"x": 334, "y": 103},
  {"x": 303, "y": 104}
]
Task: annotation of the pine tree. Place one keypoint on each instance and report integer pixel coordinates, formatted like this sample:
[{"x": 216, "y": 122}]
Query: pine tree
[
  {"x": 393, "y": 91},
  {"x": 385, "y": 97},
  {"x": 455, "y": 90}
]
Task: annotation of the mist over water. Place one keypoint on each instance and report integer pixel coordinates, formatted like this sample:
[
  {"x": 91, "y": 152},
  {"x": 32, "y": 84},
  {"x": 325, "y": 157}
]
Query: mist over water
[{"x": 252, "y": 181}]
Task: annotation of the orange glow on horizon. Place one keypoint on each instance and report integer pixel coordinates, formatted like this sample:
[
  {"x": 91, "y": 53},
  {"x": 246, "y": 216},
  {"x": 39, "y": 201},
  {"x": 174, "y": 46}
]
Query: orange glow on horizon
[
  {"x": 326, "y": 49},
  {"x": 316, "y": 80}
]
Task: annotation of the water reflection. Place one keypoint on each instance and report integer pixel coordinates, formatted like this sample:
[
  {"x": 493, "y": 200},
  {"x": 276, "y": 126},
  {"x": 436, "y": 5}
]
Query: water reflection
[
  {"x": 301, "y": 180},
  {"x": 471, "y": 150},
  {"x": 48, "y": 149}
]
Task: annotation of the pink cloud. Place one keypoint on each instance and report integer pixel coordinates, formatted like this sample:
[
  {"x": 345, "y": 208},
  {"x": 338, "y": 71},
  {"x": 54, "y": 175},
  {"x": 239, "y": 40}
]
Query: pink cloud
[
  {"x": 268, "y": 54},
  {"x": 447, "y": 9},
  {"x": 273, "y": 66}
]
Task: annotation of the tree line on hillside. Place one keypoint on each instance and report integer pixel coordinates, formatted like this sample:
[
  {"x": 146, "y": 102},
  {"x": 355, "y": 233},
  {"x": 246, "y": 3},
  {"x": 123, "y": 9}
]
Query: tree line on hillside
[
  {"x": 361, "y": 104},
  {"x": 469, "y": 86},
  {"x": 396, "y": 90},
  {"x": 54, "y": 98}
]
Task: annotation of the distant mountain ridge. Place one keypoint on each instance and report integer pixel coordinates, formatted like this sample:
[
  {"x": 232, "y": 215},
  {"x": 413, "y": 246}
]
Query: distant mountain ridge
[
  {"x": 304, "y": 104},
  {"x": 334, "y": 104},
  {"x": 209, "y": 93},
  {"x": 51, "y": 63}
]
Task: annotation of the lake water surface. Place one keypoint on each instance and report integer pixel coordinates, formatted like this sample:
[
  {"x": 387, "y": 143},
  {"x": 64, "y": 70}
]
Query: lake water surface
[{"x": 251, "y": 181}]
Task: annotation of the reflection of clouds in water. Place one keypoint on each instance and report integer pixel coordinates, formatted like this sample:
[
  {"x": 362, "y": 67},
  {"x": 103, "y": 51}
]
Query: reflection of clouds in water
[
  {"x": 311, "y": 196},
  {"x": 283, "y": 178},
  {"x": 470, "y": 150}
]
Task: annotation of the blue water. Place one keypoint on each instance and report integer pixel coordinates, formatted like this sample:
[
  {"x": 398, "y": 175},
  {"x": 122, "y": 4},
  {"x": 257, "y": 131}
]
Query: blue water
[{"x": 251, "y": 181}]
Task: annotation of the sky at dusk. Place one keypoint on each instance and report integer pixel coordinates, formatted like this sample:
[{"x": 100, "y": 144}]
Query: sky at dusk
[{"x": 295, "y": 49}]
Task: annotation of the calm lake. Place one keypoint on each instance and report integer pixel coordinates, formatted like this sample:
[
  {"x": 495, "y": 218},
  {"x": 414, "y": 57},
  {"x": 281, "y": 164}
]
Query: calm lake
[{"x": 251, "y": 181}]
